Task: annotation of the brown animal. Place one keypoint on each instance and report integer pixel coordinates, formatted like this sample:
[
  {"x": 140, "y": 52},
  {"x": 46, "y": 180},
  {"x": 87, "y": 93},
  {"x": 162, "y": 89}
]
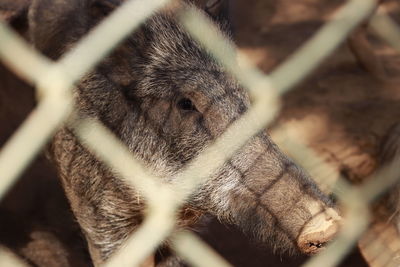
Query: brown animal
[{"x": 167, "y": 99}]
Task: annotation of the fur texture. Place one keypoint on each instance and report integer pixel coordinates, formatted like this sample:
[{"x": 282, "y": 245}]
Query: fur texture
[{"x": 166, "y": 98}]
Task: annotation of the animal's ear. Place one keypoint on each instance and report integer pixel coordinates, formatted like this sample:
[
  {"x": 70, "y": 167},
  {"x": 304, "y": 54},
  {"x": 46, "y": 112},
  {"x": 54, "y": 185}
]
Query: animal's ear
[
  {"x": 55, "y": 25},
  {"x": 217, "y": 9},
  {"x": 12, "y": 10},
  {"x": 102, "y": 8}
]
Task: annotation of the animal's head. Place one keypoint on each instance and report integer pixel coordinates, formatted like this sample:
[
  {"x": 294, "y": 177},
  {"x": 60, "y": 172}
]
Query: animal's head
[{"x": 167, "y": 99}]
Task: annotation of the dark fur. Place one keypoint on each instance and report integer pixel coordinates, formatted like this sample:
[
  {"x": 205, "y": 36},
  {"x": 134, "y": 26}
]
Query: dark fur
[{"x": 137, "y": 92}]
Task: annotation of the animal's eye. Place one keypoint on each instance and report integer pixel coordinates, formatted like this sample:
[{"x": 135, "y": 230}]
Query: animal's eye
[{"x": 186, "y": 104}]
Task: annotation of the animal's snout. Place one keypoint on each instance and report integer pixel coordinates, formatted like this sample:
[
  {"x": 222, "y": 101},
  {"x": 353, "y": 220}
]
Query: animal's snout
[{"x": 321, "y": 229}]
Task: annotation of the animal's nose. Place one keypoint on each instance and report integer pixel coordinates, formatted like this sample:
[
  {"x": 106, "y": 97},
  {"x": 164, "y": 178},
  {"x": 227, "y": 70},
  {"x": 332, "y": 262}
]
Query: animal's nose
[{"x": 318, "y": 231}]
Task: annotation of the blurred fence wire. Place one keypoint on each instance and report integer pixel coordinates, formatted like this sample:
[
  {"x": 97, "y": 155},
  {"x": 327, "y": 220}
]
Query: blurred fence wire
[{"x": 54, "y": 81}]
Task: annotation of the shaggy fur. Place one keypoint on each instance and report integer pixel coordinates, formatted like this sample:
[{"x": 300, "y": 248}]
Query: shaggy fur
[{"x": 166, "y": 98}]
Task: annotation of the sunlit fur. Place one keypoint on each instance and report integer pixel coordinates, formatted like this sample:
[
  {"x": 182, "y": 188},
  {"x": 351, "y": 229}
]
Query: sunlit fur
[{"x": 134, "y": 92}]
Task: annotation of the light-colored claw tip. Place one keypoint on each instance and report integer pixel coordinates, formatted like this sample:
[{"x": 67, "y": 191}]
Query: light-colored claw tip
[{"x": 321, "y": 229}]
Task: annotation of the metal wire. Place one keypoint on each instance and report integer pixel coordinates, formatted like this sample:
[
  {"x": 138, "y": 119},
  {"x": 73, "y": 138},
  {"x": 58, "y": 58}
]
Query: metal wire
[{"x": 54, "y": 81}]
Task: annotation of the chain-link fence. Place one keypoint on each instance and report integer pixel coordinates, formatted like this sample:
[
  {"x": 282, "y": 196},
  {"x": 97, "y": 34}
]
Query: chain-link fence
[{"x": 54, "y": 81}]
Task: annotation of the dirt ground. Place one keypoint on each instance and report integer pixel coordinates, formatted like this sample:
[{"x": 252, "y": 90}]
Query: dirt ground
[
  {"x": 343, "y": 113},
  {"x": 340, "y": 110}
]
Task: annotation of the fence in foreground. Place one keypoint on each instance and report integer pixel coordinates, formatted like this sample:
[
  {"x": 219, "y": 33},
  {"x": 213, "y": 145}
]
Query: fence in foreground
[{"x": 54, "y": 81}]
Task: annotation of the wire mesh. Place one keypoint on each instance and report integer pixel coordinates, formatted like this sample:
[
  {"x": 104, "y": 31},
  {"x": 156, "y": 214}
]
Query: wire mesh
[
  {"x": 9, "y": 259},
  {"x": 54, "y": 81}
]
